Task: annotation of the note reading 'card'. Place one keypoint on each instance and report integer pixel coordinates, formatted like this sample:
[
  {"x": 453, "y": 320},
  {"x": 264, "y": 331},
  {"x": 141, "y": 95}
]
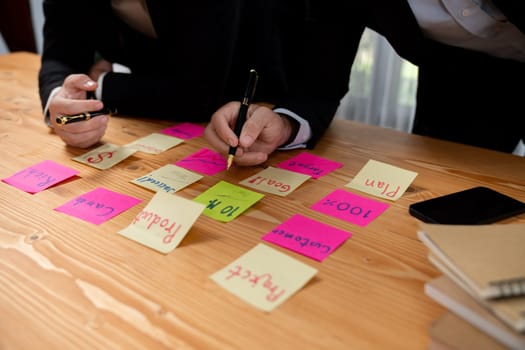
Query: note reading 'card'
[
  {"x": 98, "y": 205},
  {"x": 264, "y": 277}
]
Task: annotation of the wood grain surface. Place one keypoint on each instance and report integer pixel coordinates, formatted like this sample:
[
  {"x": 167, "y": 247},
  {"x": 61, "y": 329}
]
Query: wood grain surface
[{"x": 70, "y": 284}]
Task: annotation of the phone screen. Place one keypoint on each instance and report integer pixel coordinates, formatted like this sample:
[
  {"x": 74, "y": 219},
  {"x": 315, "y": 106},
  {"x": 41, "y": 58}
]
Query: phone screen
[{"x": 474, "y": 206}]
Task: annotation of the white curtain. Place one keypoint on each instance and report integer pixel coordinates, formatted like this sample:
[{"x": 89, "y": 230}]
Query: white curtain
[{"x": 382, "y": 87}]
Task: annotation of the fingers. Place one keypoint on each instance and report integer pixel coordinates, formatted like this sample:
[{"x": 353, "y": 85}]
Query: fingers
[
  {"x": 100, "y": 67},
  {"x": 71, "y": 100},
  {"x": 83, "y": 134},
  {"x": 259, "y": 137},
  {"x": 219, "y": 132}
]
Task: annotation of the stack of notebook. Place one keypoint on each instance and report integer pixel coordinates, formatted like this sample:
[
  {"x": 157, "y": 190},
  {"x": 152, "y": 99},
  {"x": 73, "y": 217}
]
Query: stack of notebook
[{"x": 482, "y": 285}]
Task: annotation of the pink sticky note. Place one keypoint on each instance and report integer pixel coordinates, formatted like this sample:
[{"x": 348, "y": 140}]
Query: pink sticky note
[
  {"x": 309, "y": 164},
  {"x": 40, "y": 176},
  {"x": 350, "y": 207},
  {"x": 307, "y": 237},
  {"x": 184, "y": 131},
  {"x": 98, "y": 206},
  {"x": 204, "y": 161}
]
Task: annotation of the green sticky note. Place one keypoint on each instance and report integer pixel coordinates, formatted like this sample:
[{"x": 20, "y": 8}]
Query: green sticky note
[{"x": 224, "y": 201}]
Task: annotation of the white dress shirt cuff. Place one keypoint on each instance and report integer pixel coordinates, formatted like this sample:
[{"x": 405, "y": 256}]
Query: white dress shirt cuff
[
  {"x": 303, "y": 134},
  {"x": 100, "y": 82},
  {"x": 46, "y": 108}
]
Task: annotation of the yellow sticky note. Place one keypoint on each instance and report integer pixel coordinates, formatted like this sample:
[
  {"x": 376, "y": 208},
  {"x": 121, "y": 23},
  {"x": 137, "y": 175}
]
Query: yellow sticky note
[
  {"x": 382, "y": 180},
  {"x": 224, "y": 201},
  {"x": 264, "y": 277},
  {"x": 169, "y": 178},
  {"x": 155, "y": 143},
  {"x": 164, "y": 222},
  {"x": 276, "y": 181},
  {"x": 105, "y": 156}
]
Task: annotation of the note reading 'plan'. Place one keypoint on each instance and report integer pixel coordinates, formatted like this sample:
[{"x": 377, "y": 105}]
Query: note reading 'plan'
[{"x": 382, "y": 180}]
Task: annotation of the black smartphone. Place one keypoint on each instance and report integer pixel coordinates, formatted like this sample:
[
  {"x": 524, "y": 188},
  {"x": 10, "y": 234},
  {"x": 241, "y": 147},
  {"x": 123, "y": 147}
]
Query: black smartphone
[{"x": 474, "y": 206}]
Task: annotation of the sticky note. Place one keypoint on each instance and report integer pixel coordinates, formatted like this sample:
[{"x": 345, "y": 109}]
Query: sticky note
[
  {"x": 382, "y": 180},
  {"x": 276, "y": 181},
  {"x": 308, "y": 237},
  {"x": 154, "y": 143},
  {"x": 350, "y": 207},
  {"x": 169, "y": 178},
  {"x": 98, "y": 206},
  {"x": 205, "y": 161},
  {"x": 105, "y": 156},
  {"x": 264, "y": 277},
  {"x": 310, "y": 164},
  {"x": 164, "y": 222},
  {"x": 185, "y": 131},
  {"x": 40, "y": 176},
  {"x": 225, "y": 201}
]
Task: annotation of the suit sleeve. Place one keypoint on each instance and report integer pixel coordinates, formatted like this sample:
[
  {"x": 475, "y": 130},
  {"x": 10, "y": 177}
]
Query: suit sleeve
[{"x": 319, "y": 50}]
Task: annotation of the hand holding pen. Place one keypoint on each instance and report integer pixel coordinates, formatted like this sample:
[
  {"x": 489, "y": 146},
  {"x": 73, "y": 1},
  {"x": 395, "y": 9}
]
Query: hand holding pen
[
  {"x": 68, "y": 119},
  {"x": 243, "y": 111},
  {"x": 72, "y": 101}
]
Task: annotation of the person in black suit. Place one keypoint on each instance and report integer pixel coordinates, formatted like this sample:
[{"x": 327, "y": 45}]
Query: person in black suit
[
  {"x": 468, "y": 89},
  {"x": 187, "y": 59},
  {"x": 464, "y": 95}
]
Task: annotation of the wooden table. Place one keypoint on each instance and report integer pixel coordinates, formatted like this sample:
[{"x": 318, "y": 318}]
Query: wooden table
[{"x": 69, "y": 284}]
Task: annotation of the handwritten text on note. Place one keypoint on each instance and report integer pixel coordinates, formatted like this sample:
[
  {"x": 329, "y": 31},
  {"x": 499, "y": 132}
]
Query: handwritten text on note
[
  {"x": 274, "y": 180},
  {"x": 164, "y": 222},
  {"x": 310, "y": 164},
  {"x": 169, "y": 178},
  {"x": 264, "y": 277},
  {"x": 40, "y": 176},
  {"x": 98, "y": 206},
  {"x": 184, "y": 131},
  {"x": 307, "y": 237},
  {"x": 350, "y": 207},
  {"x": 224, "y": 201},
  {"x": 105, "y": 156},
  {"x": 205, "y": 161},
  {"x": 382, "y": 180},
  {"x": 155, "y": 143}
]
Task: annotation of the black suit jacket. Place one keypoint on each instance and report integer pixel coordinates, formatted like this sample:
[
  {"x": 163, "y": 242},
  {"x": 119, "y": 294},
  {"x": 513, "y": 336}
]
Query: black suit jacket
[
  {"x": 203, "y": 54},
  {"x": 471, "y": 97}
]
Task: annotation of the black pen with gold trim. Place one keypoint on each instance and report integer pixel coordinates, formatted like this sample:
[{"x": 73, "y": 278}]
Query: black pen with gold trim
[
  {"x": 68, "y": 119},
  {"x": 243, "y": 111}
]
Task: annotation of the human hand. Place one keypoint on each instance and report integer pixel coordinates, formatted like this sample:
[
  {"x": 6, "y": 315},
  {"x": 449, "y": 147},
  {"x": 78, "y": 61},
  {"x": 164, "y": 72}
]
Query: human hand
[
  {"x": 101, "y": 66},
  {"x": 70, "y": 100},
  {"x": 262, "y": 133}
]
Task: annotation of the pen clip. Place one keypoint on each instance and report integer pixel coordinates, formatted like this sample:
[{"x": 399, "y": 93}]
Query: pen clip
[{"x": 250, "y": 87}]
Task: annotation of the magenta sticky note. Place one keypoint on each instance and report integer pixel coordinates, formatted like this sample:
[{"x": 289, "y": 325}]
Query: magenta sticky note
[
  {"x": 40, "y": 176},
  {"x": 307, "y": 237},
  {"x": 350, "y": 207},
  {"x": 309, "y": 164},
  {"x": 98, "y": 206},
  {"x": 204, "y": 161},
  {"x": 184, "y": 131}
]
